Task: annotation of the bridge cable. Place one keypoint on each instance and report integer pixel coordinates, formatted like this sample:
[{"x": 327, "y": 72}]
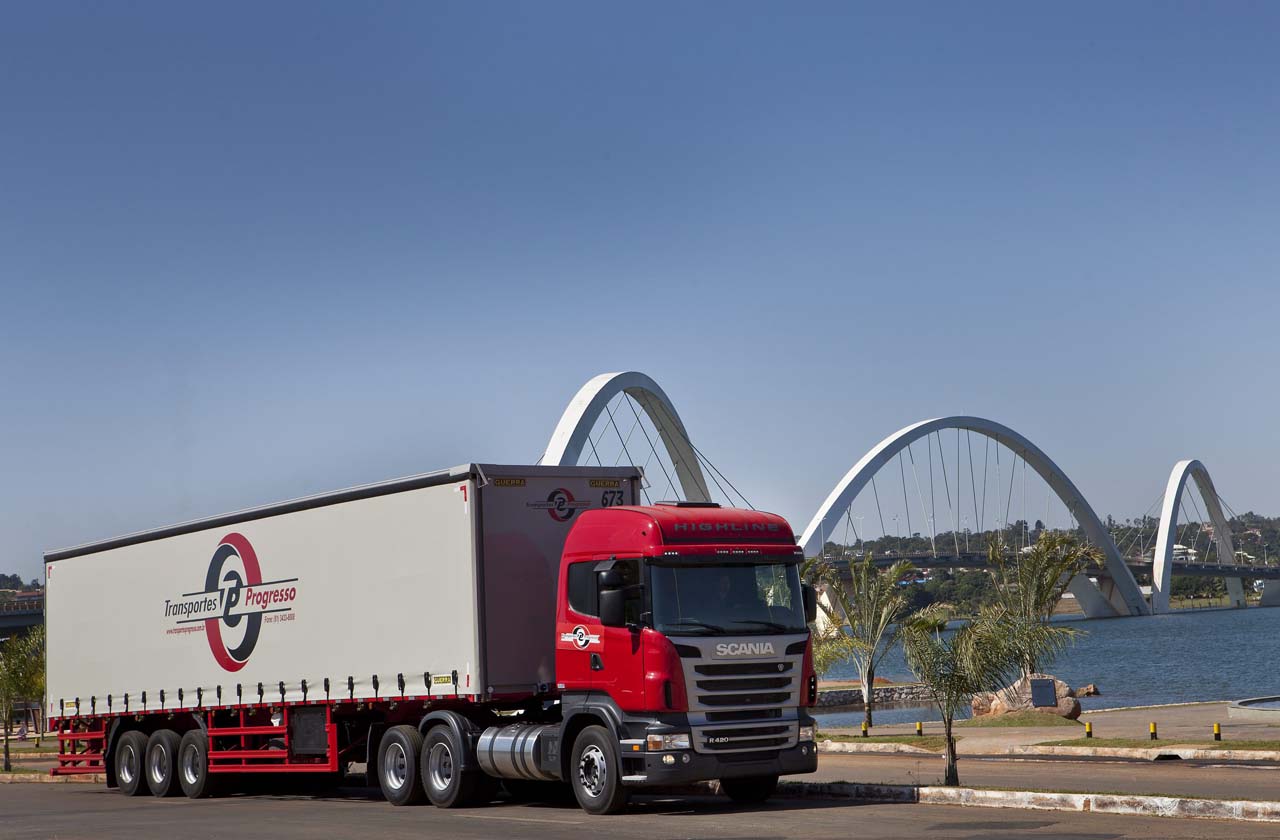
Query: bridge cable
[
  {"x": 906, "y": 503},
  {"x": 879, "y": 513},
  {"x": 955, "y": 534},
  {"x": 652, "y": 448},
  {"x": 625, "y": 451},
  {"x": 919, "y": 495},
  {"x": 999, "y": 482},
  {"x": 973, "y": 487},
  {"x": 717, "y": 471}
]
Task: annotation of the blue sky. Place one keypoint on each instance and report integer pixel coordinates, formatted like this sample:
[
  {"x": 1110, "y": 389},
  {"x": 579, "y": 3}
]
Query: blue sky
[{"x": 252, "y": 251}]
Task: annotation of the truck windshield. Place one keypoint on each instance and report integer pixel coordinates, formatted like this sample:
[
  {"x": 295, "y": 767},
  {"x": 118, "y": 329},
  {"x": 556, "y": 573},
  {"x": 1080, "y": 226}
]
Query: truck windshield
[{"x": 727, "y": 600}]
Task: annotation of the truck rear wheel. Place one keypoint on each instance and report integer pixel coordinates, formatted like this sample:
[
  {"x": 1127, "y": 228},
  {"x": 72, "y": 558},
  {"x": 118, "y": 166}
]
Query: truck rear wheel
[
  {"x": 593, "y": 770},
  {"x": 751, "y": 790},
  {"x": 398, "y": 765},
  {"x": 130, "y": 752},
  {"x": 447, "y": 786},
  {"x": 193, "y": 765},
  {"x": 162, "y": 763}
]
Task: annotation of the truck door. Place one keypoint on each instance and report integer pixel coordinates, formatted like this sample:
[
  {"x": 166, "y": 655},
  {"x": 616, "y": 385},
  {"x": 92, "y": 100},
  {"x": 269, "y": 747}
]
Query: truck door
[
  {"x": 579, "y": 639},
  {"x": 618, "y": 668}
]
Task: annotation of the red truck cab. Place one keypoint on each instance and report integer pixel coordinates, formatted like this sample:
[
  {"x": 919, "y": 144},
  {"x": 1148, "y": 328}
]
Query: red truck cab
[{"x": 684, "y": 626}]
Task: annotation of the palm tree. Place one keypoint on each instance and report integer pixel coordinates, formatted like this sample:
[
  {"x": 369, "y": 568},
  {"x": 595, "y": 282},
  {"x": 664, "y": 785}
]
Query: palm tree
[
  {"x": 982, "y": 655},
  {"x": 870, "y": 602},
  {"x": 1032, "y": 585}
]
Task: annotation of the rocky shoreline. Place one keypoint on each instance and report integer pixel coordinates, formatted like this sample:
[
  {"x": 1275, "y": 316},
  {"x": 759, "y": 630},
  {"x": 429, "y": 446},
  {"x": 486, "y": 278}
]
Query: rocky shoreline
[{"x": 845, "y": 696}]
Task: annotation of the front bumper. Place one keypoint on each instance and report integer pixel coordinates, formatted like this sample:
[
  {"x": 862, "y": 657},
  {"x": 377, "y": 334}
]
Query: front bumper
[{"x": 693, "y": 766}]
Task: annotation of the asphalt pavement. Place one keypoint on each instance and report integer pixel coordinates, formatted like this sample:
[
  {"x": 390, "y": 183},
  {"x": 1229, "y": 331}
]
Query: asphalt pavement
[{"x": 69, "y": 812}]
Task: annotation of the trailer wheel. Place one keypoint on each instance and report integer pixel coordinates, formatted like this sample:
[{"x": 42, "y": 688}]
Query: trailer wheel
[
  {"x": 162, "y": 763},
  {"x": 193, "y": 765},
  {"x": 130, "y": 752},
  {"x": 751, "y": 790},
  {"x": 398, "y": 765},
  {"x": 593, "y": 770},
  {"x": 447, "y": 786}
]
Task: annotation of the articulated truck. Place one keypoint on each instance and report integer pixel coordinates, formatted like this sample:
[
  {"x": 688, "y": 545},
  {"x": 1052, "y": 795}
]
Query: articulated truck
[{"x": 455, "y": 632}]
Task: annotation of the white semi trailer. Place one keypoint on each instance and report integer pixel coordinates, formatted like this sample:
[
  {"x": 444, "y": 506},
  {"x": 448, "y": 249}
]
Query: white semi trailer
[{"x": 437, "y": 630}]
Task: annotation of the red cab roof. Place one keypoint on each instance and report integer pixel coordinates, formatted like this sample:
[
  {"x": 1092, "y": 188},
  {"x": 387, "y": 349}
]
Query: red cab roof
[{"x": 649, "y": 529}]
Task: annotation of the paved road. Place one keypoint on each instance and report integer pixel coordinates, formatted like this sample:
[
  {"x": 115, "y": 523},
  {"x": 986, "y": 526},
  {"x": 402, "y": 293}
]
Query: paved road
[
  {"x": 29, "y": 811},
  {"x": 1161, "y": 778}
]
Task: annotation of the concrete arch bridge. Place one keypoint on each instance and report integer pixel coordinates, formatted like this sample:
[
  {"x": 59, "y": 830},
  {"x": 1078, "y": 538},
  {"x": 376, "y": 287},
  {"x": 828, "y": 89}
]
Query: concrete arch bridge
[{"x": 627, "y": 417}]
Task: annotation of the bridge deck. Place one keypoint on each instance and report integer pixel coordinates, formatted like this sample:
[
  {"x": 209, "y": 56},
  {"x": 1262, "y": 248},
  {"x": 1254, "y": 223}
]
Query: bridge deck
[{"x": 979, "y": 561}]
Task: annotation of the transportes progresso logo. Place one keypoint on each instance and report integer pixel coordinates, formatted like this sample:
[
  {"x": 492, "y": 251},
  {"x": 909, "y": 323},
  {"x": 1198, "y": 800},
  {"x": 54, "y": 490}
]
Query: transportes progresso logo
[
  {"x": 560, "y": 504},
  {"x": 233, "y": 603}
]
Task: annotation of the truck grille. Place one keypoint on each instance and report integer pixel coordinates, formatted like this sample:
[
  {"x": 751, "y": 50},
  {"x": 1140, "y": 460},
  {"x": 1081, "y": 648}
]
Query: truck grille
[{"x": 745, "y": 705}]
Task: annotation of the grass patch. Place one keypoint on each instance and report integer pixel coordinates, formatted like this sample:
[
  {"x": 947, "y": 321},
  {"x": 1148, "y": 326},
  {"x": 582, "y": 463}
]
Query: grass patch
[
  {"x": 1019, "y": 719},
  {"x": 25, "y": 771},
  {"x": 1147, "y": 744},
  {"x": 932, "y": 743}
]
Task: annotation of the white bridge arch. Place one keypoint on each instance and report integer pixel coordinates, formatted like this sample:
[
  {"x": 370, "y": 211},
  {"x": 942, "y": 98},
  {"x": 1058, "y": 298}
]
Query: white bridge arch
[
  {"x": 1162, "y": 569},
  {"x": 1120, "y": 594},
  {"x": 1124, "y": 596},
  {"x": 573, "y": 431}
]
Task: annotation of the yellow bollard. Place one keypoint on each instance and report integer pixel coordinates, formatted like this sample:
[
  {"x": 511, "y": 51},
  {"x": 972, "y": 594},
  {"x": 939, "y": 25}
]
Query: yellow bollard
[
  {"x": 919, "y": 728},
  {"x": 1217, "y": 732},
  {"x": 1088, "y": 729},
  {"x": 1153, "y": 730},
  {"x": 864, "y": 729}
]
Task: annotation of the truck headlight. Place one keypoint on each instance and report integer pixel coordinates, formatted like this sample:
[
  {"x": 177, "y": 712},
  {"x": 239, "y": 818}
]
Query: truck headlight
[
  {"x": 677, "y": 741},
  {"x": 806, "y": 733}
]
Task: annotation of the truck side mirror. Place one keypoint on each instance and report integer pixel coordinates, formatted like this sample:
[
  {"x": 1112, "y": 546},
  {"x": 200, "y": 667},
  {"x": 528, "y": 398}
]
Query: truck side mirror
[
  {"x": 810, "y": 597},
  {"x": 613, "y": 607},
  {"x": 610, "y": 579}
]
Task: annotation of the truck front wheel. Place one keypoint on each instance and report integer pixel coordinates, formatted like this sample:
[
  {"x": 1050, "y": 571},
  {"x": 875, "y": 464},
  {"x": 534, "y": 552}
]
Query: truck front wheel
[
  {"x": 593, "y": 770},
  {"x": 398, "y": 765},
  {"x": 162, "y": 763},
  {"x": 751, "y": 790},
  {"x": 131, "y": 750}
]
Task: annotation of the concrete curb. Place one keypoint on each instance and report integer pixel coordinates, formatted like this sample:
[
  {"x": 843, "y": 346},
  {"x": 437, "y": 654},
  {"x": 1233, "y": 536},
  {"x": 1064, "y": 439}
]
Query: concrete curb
[
  {"x": 43, "y": 778},
  {"x": 871, "y": 747},
  {"x": 1033, "y": 751},
  {"x": 1151, "y": 706},
  {"x": 1150, "y": 754},
  {"x": 1146, "y": 806}
]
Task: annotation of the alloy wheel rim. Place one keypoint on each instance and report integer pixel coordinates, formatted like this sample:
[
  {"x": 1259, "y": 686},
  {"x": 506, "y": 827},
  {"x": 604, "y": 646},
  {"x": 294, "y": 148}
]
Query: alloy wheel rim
[
  {"x": 128, "y": 764},
  {"x": 593, "y": 771},
  {"x": 440, "y": 766},
  {"x": 395, "y": 767},
  {"x": 191, "y": 764},
  {"x": 159, "y": 764}
]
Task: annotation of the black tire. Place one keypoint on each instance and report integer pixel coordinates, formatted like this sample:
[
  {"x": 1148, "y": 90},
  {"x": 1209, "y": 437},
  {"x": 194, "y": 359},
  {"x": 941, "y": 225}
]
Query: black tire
[
  {"x": 446, "y": 785},
  {"x": 130, "y": 758},
  {"x": 193, "y": 765},
  {"x": 398, "y": 763},
  {"x": 161, "y": 765},
  {"x": 595, "y": 773},
  {"x": 751, "y": 790}
]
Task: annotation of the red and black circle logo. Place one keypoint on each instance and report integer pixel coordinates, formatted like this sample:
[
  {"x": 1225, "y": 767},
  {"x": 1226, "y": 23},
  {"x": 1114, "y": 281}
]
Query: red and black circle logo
[
  {"x": 560, "y": 504},
  {"x": 234, "y": 634}
]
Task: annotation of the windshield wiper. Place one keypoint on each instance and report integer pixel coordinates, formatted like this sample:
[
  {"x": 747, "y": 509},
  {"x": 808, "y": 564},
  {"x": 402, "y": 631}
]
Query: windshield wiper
[
  {"x": 772, "y": 625},
  {"x": 714, "y": 628}
]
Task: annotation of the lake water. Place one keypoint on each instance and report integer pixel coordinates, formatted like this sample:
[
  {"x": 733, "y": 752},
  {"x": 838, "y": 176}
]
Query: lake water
[{"x": 1174, "y": 658}]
